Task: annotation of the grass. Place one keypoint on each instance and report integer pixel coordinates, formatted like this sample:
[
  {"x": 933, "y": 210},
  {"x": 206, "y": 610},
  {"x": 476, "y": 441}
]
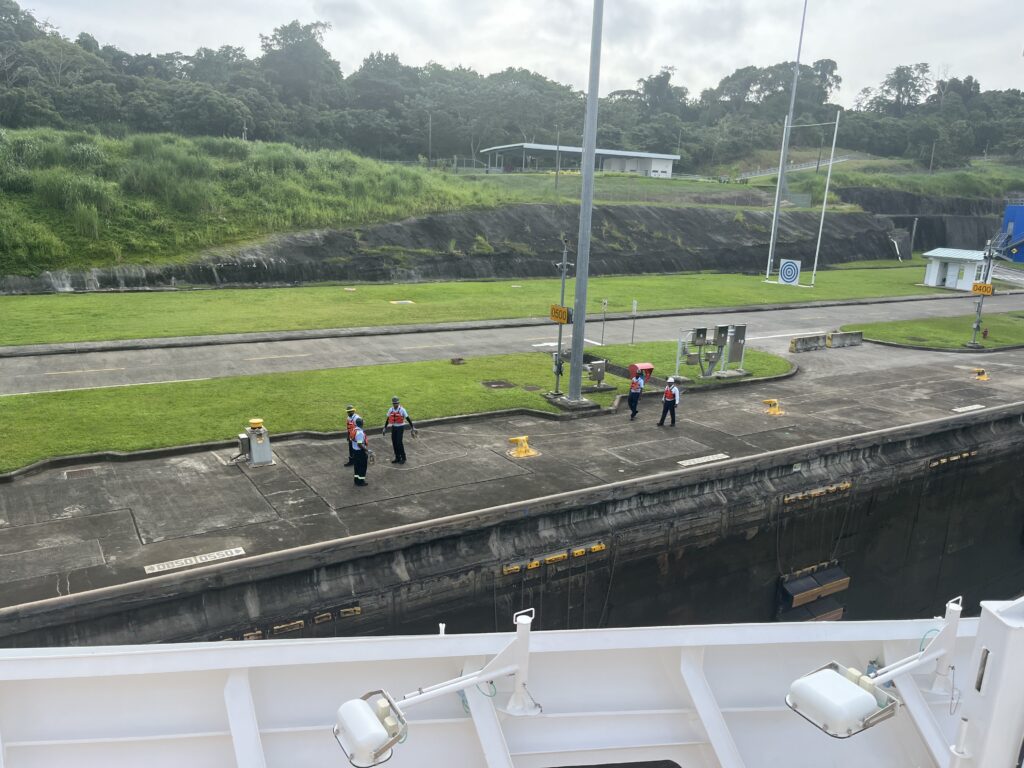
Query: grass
[
  {"x": 662, "y": 355},
  {"x": 97, "y": 316},
  {"x": 1005, "y": 329},
  {"x": 77, "y": 200},
  {"x": 136, "y": 418}
]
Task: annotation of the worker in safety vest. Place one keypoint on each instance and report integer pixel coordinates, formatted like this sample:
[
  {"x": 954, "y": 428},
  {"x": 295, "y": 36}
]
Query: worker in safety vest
[
  {"x": 397, "y": 418},
  {"x": 352, "y": 420},
  {"x": 360, "y": 456},
  {"x": 636, "y": 388},
  {"x": 669, "y": 402}
]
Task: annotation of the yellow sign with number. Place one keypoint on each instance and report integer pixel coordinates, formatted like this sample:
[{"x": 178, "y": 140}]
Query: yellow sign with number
[
  {"x": 560, "y": 314},
  {"x": 985, "y": 289}
]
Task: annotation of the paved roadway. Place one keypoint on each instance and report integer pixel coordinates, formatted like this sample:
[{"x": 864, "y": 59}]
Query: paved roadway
[{"x": 769, "y": 330}]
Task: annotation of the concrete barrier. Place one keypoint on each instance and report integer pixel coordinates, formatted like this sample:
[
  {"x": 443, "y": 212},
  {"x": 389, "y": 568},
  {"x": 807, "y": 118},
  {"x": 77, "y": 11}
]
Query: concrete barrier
[
  {"x": 851, "y": 339},
  {"x": 807, "y": 343}
]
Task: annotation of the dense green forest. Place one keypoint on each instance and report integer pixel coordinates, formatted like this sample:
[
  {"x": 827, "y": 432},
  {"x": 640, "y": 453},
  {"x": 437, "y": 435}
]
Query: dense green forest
[{"x": 295, "y": 92}]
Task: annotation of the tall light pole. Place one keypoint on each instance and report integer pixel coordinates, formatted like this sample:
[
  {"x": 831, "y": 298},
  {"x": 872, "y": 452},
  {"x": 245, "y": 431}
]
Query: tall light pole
[
  {"x": 781, "y": 188},
  {"x": 579, "y": 321}
]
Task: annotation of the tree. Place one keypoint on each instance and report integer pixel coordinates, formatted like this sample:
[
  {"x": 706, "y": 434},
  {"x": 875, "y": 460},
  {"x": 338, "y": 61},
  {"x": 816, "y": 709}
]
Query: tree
[
  {"x": 903, "y": 89},
  {"x": 299, "y": 67}
]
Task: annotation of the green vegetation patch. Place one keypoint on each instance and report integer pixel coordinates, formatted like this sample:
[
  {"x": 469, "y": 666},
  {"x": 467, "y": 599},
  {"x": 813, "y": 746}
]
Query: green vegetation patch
[
  {"x": 662, "y": 355},
  {"x": 97, "y": 316},
  {"x": 75, "y": 200},
  {"x": 1004, "y": 330}
]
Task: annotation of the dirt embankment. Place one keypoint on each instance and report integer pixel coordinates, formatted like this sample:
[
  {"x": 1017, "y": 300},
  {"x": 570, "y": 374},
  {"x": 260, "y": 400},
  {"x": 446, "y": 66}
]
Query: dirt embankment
[
  {"x": 511, "y": 242},
  {"x": 951, "y": 222}
]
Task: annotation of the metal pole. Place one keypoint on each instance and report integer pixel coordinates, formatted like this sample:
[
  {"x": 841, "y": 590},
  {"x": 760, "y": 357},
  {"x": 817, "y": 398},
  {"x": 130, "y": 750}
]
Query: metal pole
[
  {"x": 824, "y": 202},
  {"x": 632, "y": 333},
  {"x": 558, "y": 157},
  {"x": 986, "y": 273},
  {"x": 430, "y": 139},
  {"x": 780, "y": 188},
  {"x": 561, "y": 303},
  {"x": 913, "y": 233},
  {"x": 586, "y": 208},
  {"x": 775, "y": 209},
  {"x": 604, "y": 317}
]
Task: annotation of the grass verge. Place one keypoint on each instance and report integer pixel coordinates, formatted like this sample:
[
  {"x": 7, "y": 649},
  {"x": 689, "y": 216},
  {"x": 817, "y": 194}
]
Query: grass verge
[
  {"x": 35, "y": 427},
  {"x": 662, "y": 355},
  {"x": 105, "y": 316},
  {"x": 1005, "y": 329}
]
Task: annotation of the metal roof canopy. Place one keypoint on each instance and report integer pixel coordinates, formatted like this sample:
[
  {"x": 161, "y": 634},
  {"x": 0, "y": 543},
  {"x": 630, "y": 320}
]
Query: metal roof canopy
[
  {"x": 955, "y": 254},
  {"x": 577, "y": 151}
]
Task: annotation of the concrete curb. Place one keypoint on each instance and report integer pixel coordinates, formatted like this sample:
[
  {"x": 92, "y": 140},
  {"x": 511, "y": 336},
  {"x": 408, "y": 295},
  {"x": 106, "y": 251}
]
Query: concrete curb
[
  {"x": 955, "y": 351},
  {"x": 171, "y": 342},
  {"x": 181, "y": 450}
]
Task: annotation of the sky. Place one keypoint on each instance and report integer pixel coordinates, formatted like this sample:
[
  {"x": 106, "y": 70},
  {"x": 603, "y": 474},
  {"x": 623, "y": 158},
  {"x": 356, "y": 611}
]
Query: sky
[{"x": 704, "y": 40}]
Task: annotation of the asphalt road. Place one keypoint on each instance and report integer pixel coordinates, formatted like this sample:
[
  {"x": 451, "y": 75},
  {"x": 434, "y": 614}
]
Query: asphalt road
[{"x": 768, "y": 330}]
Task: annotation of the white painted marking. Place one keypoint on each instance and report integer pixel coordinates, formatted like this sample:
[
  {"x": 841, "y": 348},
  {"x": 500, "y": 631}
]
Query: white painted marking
[
  {"x": 105, "y": 386},
  {"x": 546, "y": 344},
  {"x": 791, "y": 333},
  {"x": 88, "y": 370},
  {"x": 275, "y": 357},
  {"x": 184, "y": 562},
  {"x": 595, "y": 343},
  {"x": 429, "y": 346},
  {"x": 968, "y": 408},
  {"x": 703, "y": 460}
]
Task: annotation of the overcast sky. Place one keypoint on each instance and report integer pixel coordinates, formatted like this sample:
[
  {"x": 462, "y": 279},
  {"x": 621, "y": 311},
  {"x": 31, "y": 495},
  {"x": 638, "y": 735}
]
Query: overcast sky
[{"x": 703, "y": 39}]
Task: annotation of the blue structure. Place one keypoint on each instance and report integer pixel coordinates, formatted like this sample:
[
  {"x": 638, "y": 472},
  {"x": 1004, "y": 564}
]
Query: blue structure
[{"x": 1011, "y": 237}]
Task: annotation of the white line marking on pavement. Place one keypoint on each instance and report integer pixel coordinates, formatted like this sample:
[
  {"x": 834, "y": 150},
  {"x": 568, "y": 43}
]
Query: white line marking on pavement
[
  {"x": 703, "y": 460},
  {"x": 968, "y": 408},
  {"x": 595, "y": 343},
  {"x": 105, "y": 386},
  {"x": 791, "y": 333},
  {"x": 275, "y": 357},
  {"x": 546, "y": 344},
  {"x": 89, "y": 370},
  {"x": 429, "y": 346}
]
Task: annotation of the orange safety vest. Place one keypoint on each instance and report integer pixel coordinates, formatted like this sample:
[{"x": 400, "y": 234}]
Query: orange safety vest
[
  {"x": 634, "y": 384},
  {"x": 669, "y": 395},
  {"x": 350, "y": 423},
  {"x": 395, "y": 417}
]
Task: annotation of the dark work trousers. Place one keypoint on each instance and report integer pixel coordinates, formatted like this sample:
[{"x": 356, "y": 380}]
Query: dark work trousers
[
  {"x": 668, "y": 407},
  {"x": 634, "y": 401},
  {"x": 351, "y": 453},
  {"x": 359, "y": 459},
  {"x": 397, "y": 435}
]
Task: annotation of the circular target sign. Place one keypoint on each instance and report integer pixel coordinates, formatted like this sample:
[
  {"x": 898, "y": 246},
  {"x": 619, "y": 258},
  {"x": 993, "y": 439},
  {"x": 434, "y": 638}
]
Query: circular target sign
[{"x": 789, "y": 272}]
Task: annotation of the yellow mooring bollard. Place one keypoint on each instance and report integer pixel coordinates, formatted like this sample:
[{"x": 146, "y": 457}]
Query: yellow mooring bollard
[
  {"x": 522, "y": 448},
  {"x": 774, "y": 409},
  {"x": 980, "y": 375}
]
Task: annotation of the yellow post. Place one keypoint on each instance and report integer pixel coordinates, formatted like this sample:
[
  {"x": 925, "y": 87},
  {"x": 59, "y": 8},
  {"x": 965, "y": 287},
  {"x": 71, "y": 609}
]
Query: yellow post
[
  {"x": 980, "y": 374},
  {"x": 522, "y": 448},
  {"x": 774, "y": 409}
]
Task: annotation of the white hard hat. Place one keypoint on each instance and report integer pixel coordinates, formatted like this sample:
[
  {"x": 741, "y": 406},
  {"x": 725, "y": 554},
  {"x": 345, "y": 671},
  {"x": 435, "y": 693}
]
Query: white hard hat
[{"x": 671, "y": 380}]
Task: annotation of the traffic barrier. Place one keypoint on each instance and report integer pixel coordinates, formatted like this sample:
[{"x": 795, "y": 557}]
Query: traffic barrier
[
  {"x": 838, "y": 339},
  {"x": 807, "y": 343}
]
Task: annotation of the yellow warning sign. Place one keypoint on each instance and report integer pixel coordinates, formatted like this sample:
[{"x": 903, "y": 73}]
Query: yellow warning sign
[
  {"x": 560, "y": 314},
  {"x": 985, "y": 289}
]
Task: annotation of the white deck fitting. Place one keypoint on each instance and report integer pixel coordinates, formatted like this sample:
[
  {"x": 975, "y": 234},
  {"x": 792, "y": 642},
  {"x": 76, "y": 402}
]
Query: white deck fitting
[{"x": 700, "y": 696}]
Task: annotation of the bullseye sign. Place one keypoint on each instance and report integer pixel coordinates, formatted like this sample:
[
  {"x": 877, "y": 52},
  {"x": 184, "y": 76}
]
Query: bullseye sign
[{"x": 789, "y": 272}]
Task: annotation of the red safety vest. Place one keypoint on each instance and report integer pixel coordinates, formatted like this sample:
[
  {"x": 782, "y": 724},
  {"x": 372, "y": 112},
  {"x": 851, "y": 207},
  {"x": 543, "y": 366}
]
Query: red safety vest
[
  {"x": 634, "y": 384},
  {"x": 395, "y": 417},
  {"x": 669, "y": 395}
]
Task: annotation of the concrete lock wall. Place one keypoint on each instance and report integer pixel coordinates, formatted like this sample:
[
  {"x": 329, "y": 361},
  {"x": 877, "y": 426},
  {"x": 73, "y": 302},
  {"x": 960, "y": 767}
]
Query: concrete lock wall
[
  {"x": 845, "y": 339},
  {"x": 915, "y": 515}
]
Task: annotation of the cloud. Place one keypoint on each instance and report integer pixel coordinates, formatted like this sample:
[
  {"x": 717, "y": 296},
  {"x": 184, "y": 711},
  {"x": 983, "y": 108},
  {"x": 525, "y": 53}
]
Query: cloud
[{"x": 704, "y": 40}]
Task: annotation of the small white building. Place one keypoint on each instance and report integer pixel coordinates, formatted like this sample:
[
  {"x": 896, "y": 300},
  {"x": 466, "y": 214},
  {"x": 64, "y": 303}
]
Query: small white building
[
  {"x": 955, "y": 268},
  {"x": 528, "y": 156}
]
